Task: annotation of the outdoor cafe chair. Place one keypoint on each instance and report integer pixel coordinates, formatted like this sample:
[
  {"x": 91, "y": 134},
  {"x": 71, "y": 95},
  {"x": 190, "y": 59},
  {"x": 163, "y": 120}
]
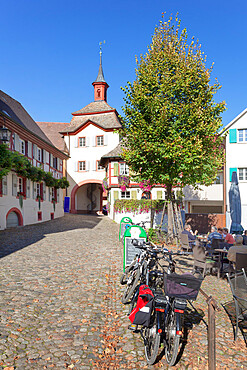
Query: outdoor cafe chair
[
  {"x": 184, "y": 242},
  {"x": 201, "y": 261},
  {"x": 241, "y": 261},
  {"x": 238, "y": 284}
]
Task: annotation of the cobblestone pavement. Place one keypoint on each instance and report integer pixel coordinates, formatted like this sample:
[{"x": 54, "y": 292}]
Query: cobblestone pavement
[{"x": 60, "y": 303}]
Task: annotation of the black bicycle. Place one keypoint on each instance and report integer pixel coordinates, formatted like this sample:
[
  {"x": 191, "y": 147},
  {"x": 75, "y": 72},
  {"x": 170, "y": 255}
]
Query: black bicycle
[
  {"x": 138, "y": 271},
  {"x": 171, "y": 292}
]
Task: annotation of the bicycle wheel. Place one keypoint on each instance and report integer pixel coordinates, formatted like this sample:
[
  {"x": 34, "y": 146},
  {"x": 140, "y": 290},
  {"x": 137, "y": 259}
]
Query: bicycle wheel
[
  {"x": 172, "y": 339},
  {"x": 131, "y": 286},
  {"x": 151, "y": 342},
  {"x": 125, "y": 276}
]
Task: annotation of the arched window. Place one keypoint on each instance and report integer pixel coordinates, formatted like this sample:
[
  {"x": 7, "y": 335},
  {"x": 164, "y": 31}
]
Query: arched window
[{"x": 98, "y": 93}]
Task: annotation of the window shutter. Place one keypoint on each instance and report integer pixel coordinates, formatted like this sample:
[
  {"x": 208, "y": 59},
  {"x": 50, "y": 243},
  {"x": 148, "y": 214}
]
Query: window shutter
[
  {"x": 87, "y": 165},
  {"x": 76, "y": 142},
  {"x": 105, "y": 140},
  {"x": 44, "y": 192},
  {"x": 58, "y": 195},
  {"x": 115, "y": 195},
  {"x": 24, "y": 187},
  {"x": 41, "y": 190},
  {"x": 233, "y": 135},
  {"x": 93, "y": 165},
  {"x": 17, "y": 143},
  {"x": 76, "y": 166},
  {"x": 231, "y": 171},
  {"x": 14, "y": 185},
  {"x": 133, "y": 194},
  {"x": 93, "y": 141},
  {"x": 4, "y": 185},
  {"x": 116, "y": 171},
  {"x": 34, "y": 190},
  {"x": 87, "y": 141},
  {"x": 28, "y": 188},
  {"x": 159, "y": 194},
  {"x": 29, "y": 149},
  {"x": 34, "y": 151}
]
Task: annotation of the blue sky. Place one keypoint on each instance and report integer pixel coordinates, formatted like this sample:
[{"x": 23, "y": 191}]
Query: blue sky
[{"x": 50, "y": 49}]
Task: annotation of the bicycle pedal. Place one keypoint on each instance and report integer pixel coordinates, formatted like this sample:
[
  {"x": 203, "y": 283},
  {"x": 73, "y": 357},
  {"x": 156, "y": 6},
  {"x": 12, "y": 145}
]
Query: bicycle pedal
[{"x": 132, "y": 327}]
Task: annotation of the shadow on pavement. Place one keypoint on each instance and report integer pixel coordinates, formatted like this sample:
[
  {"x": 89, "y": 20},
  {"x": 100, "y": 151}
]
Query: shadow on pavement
[
  {"x": 229, "y": 307},
  {"x": 14, "y": 239}
]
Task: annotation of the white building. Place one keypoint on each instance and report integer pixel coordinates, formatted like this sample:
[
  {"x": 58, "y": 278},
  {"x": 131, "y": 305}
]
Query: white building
[
  {"x": 88, "y": 136},
  {"x": 236, "y": 160},
  {"x": 22, "y": 201}
]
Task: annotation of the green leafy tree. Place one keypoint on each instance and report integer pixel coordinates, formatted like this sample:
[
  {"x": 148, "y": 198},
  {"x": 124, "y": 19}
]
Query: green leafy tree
[
  {"x": 5, "y": 160},
  {"x": 171, "y": 121}
]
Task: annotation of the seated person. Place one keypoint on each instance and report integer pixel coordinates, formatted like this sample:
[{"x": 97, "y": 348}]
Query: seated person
[
  {"x": 237, "y": 248},
  {"x": 213, "y": 235},
  {"x": 228, "y": 237},
  {"x": 245, "y": 238},
  {"x": 191, "y": 235}
]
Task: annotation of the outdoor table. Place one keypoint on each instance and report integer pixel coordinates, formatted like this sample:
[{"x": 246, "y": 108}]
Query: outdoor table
[{"x": 222, "y": 254}]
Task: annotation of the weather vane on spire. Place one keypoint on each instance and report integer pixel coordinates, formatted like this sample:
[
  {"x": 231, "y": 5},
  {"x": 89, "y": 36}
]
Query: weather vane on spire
[{"x": 100, "y": 47}]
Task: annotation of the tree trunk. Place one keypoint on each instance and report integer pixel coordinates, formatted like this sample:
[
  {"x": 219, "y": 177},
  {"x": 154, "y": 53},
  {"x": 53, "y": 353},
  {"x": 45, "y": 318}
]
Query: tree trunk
[
  {"x": 169, "y": 211},
  {"x": 162, "y": 216}
]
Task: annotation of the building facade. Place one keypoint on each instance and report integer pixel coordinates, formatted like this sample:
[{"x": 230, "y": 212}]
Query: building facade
[
  {"x": 23, "y": 201},
  {"x": 91, "y": 133},
  {"x": 236, "y": 160}
]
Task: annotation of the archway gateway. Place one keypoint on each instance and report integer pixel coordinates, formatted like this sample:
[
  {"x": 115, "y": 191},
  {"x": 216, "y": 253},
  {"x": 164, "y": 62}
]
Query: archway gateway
[
  {"x": 14, "y": 218},
  {"x": 87, "y": 197}
]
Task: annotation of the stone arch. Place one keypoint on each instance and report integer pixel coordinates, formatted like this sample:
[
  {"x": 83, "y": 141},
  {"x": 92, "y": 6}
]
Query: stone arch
[
  {"x": 76, "y": 187},
  {"x": 19, "y": 215}
]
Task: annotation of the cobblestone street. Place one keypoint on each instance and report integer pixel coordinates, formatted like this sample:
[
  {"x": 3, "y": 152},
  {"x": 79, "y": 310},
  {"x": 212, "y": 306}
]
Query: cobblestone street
[{"x": 60, "y": 303}]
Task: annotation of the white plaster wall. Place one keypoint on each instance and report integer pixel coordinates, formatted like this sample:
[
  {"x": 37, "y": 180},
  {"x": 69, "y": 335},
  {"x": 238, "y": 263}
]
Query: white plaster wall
[
  {"x": 89, "y": 154},
  {"x": 210, "y": 193},
  {"x": 236, "y": 157},
  {"x": 30, "y": 207}
]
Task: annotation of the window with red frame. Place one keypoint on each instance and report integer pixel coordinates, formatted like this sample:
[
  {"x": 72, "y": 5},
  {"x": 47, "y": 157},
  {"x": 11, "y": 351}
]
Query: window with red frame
[
  {"x": 21, "y": 186},
  {"x": 82, "y": 141},
  {"x": 100, "y": 140},
  {"x": 82, "y": 165}
]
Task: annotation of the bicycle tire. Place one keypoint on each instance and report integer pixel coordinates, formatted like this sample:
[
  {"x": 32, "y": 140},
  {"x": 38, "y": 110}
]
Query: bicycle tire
[
  {"x": 131, "y": 287},
  {"x": 125, "y": 275},
  {"x": 172, "y": 339},
  {"x": 151, "y": 343}
]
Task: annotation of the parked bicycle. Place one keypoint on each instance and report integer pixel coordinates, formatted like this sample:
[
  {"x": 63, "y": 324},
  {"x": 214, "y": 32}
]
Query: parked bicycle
[
  {"x": 137, "y": 271},
  {"x": 170, "y": 295}
]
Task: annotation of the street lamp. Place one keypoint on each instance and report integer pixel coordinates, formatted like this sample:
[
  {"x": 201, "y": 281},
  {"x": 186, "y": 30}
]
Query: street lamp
[{"x": 4, "y": 135}]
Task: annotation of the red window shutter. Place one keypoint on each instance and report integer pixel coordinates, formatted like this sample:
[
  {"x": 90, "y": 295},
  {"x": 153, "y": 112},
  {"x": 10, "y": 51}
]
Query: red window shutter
[
  {"x": 24, "y": 187},
  {"x": 41, "y": 191},
  {"x": 26, "y": 148}
]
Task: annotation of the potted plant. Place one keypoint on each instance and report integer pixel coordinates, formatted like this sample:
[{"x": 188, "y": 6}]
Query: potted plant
[
  {"x": 54, "y": 203},
  {"x": 20, "y": 195},
  {"x": 39, "y": 200}
]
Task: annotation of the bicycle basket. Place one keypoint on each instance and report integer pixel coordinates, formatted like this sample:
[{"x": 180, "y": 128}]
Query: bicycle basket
[{"x": 182, "y": 286}]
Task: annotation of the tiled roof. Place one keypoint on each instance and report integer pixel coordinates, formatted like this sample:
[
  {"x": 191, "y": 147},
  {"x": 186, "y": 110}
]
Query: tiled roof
[
  {"x": 52, "y": 130},
  {"x": 115, "y": 153},
  {"x": 95, "y": 106},
  {"x": 13, "y": 109}
]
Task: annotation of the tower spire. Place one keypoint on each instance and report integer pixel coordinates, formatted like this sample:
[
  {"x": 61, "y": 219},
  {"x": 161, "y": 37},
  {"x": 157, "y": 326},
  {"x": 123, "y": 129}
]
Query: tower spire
[{"x": 100, "y": 85}]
